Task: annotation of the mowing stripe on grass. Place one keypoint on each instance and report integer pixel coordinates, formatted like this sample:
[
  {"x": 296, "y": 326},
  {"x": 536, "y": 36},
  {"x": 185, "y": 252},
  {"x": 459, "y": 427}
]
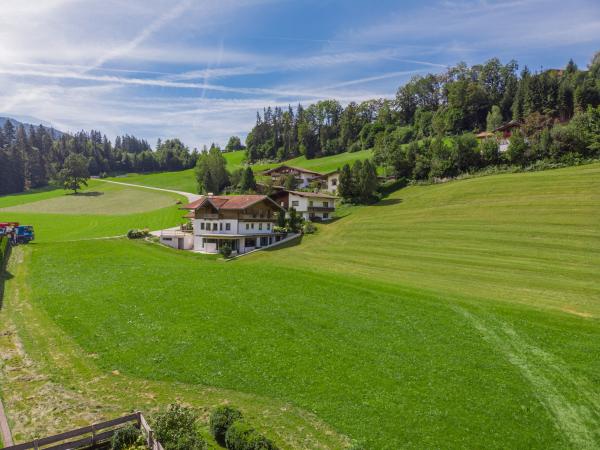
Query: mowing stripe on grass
[{"x": 571, "y": 400}]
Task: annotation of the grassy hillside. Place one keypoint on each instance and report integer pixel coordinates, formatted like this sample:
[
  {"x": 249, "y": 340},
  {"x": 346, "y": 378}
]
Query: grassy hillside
[
  {"x": 102, "y": 209},
  {"x": 462, "y": 315},
  {"x": 185, "y": 180}
]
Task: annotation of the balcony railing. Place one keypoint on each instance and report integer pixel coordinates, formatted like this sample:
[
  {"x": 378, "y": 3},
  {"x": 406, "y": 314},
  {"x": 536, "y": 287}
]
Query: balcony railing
[{"x": 321, "y": 209}]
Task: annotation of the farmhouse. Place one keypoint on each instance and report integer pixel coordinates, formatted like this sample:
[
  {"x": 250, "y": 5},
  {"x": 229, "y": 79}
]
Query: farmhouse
[
  {"x": 245, "y": 222},
  {"x": 310, "y": 205},
  {"x": 303, "y": 176},
  {"x": 330, "y": 181}
]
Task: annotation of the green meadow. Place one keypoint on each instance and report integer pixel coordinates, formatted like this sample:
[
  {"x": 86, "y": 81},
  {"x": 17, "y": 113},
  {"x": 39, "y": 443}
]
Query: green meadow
[
  {"x": 100, "y": 210},
  {"x": 457, "y": 315},
  {"x": 186, "y": 181}
]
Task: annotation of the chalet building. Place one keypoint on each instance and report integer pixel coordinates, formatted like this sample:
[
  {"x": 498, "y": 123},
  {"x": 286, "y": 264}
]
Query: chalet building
[
  {"x": 245, "y": 222},
  {"x": 303, "y": 176},
  {"x": 310, "y": 205},
  {"x": 502, "y": 134},
  {"x": 330, "y": 181}
]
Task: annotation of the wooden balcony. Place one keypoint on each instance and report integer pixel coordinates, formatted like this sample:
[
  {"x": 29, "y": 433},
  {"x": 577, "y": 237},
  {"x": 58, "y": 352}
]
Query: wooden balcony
[{"x": 321, "y": 209}]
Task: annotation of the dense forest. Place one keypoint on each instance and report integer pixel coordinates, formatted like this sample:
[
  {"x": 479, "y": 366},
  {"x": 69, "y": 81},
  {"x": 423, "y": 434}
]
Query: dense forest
[
  {"x": 30, "y": 158},
  {"x": 434, "y": 112}
]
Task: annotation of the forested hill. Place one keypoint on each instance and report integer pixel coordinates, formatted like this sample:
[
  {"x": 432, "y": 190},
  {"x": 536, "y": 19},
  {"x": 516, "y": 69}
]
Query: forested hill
[
  {"x": 15, "y": 123},
  {"x": 460, "y": 100}
]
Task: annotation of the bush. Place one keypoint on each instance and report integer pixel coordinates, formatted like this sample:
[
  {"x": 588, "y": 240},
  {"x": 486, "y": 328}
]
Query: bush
[
  {"x": 176, "y": 429},
  {"x": 309, "y": 228},
  {"x": 225, "y": 250},
  {"x": 278, "y": 229},
  {"x": 241, "y": 436},
  {"x": 125, "y": 437},
  {"x": 221, "y": 419},
  {"x": 138, "y": 234}
]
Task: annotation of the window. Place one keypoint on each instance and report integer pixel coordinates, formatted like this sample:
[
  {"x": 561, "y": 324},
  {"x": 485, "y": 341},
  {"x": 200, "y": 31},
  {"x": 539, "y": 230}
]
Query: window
[
  {"x": 253, "y": 226},
  {"x": 334, "y": 182},
  {"x": 202, "y": 225},
  {"x": 310, "y": 203},
  {"x": 227, "y": 226},
  {"x": 325, "y": 204},
  {"x": 295, "y": 203},
  {"x": 221, "y": 226},
  {"x": 325, "y": 216},
  {"x": 215, "y": 226},
  {"x": 247, "y": 226},
  {"x": 260, "y": 226},
  {"x": 268, "y": 226}
]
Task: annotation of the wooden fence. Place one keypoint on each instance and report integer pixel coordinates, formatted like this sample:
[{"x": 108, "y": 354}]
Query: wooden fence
[{"x": 89, "y": 436}]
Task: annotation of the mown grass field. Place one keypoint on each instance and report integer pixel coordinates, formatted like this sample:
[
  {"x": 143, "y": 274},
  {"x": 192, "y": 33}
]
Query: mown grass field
[
  {"x": 186, "y": 181},
  {"x": 462, "y": 315},
  {"x": 100, "y": 210}
]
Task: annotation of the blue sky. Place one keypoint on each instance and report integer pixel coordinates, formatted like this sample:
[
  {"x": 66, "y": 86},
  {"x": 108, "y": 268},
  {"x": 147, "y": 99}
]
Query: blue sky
[{"x": 199, "y": 70}]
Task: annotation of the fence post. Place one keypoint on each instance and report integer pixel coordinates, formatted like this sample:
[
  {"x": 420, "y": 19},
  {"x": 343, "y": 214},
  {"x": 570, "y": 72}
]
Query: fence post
[
  {"x": 93, "y": 435},
  {"x": 151, "y": 438}
]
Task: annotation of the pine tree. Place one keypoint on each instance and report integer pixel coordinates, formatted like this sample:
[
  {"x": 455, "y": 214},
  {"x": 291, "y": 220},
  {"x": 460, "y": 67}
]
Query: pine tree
[
  {"x": 346, "y": 183},
  {"x": 247, "y": 182},
  {"x": 367, "y": 184}
]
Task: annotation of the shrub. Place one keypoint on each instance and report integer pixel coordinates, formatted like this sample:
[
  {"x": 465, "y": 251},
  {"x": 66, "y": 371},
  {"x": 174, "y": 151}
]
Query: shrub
[
  {"x": 225, "y": 250},
  {"x": 278, "y": 229},
  {"x": 125, "y": 437},
  {"x": 176, "y": 429},
  {"x": 241, "y": 436},
  {"x": 138, "y": 234},
  {"x": 309, "y": 228},
  {"x": 221, "y": 419}
]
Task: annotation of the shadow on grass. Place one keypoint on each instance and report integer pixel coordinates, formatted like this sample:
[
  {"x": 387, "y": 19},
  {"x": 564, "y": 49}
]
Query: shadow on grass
[
  {"x": 87, "y": 194},
  {"x": 288, "y": 244}
]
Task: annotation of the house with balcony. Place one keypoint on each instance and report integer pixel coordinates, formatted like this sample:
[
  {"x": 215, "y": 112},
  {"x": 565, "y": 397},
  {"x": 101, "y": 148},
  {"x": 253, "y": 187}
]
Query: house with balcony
[
  {"x": 314, "y": 206},
  {"x": 303, "y": 176},
  {"x": 330, "y": 181},
  {"x": 245, "y": 222}
]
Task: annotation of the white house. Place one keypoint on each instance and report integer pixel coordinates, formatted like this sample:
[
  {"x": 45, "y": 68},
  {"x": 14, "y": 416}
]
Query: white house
[
  {"x": 245, "y": 222},
  {"x": 331, "y": 181},
  {"x": 311, "y": 205},
  {"x": 303, "y": 176}
]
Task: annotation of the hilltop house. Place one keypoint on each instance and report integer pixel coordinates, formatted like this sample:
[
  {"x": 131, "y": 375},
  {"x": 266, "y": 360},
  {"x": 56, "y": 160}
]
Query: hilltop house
[
  {"x": 502, "y": 133},
  {"x": 310, "y": 205},
  {"x": 245, "y": 222},
  {"x": 303, "y": 176}
]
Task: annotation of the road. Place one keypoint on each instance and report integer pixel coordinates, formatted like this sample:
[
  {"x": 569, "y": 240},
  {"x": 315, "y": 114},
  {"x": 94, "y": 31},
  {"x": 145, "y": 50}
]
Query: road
[{"x": 191, "y": 197}]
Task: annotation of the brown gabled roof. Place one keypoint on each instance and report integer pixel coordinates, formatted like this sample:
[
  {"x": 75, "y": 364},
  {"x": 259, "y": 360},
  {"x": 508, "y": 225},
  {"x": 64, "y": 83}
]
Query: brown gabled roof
[
  {"x": 312, "y": 194},
  {"x": 229, "y": 202},
  {"x": 284, "y": 166},
  {"x": 509, "y": 125}
]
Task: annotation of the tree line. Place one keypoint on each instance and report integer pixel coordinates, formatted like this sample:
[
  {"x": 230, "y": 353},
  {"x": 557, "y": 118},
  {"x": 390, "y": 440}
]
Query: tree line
[
  {"x": 462, "y": 99},
  {"x": 30, "y": 158}
]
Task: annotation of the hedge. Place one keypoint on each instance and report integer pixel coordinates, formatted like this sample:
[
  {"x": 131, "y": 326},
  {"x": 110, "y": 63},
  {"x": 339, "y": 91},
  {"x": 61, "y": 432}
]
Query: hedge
[
  {"x": 241, "y": 436},
  {"x": 221, "y": 419}
]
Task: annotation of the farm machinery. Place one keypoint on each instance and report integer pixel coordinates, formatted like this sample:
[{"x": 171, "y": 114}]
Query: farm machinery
[{"x": 17, "y": 233}]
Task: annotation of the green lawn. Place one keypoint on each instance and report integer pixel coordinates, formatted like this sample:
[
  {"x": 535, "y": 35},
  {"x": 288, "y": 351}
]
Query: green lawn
[
  {"x": 461, "y": 315},
  {"x": 186, "y": 181},
  {"x": 100, "y": 210}
]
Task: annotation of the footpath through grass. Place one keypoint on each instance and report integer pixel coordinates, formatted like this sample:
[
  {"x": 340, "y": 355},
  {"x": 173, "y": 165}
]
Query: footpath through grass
[{"x": 463, "y": 315}]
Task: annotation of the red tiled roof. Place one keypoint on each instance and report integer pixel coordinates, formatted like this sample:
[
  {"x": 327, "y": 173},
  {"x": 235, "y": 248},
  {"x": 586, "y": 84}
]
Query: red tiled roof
[
  {"x": 299, "y": 169},
  {"x": 229, "y": 202}
]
